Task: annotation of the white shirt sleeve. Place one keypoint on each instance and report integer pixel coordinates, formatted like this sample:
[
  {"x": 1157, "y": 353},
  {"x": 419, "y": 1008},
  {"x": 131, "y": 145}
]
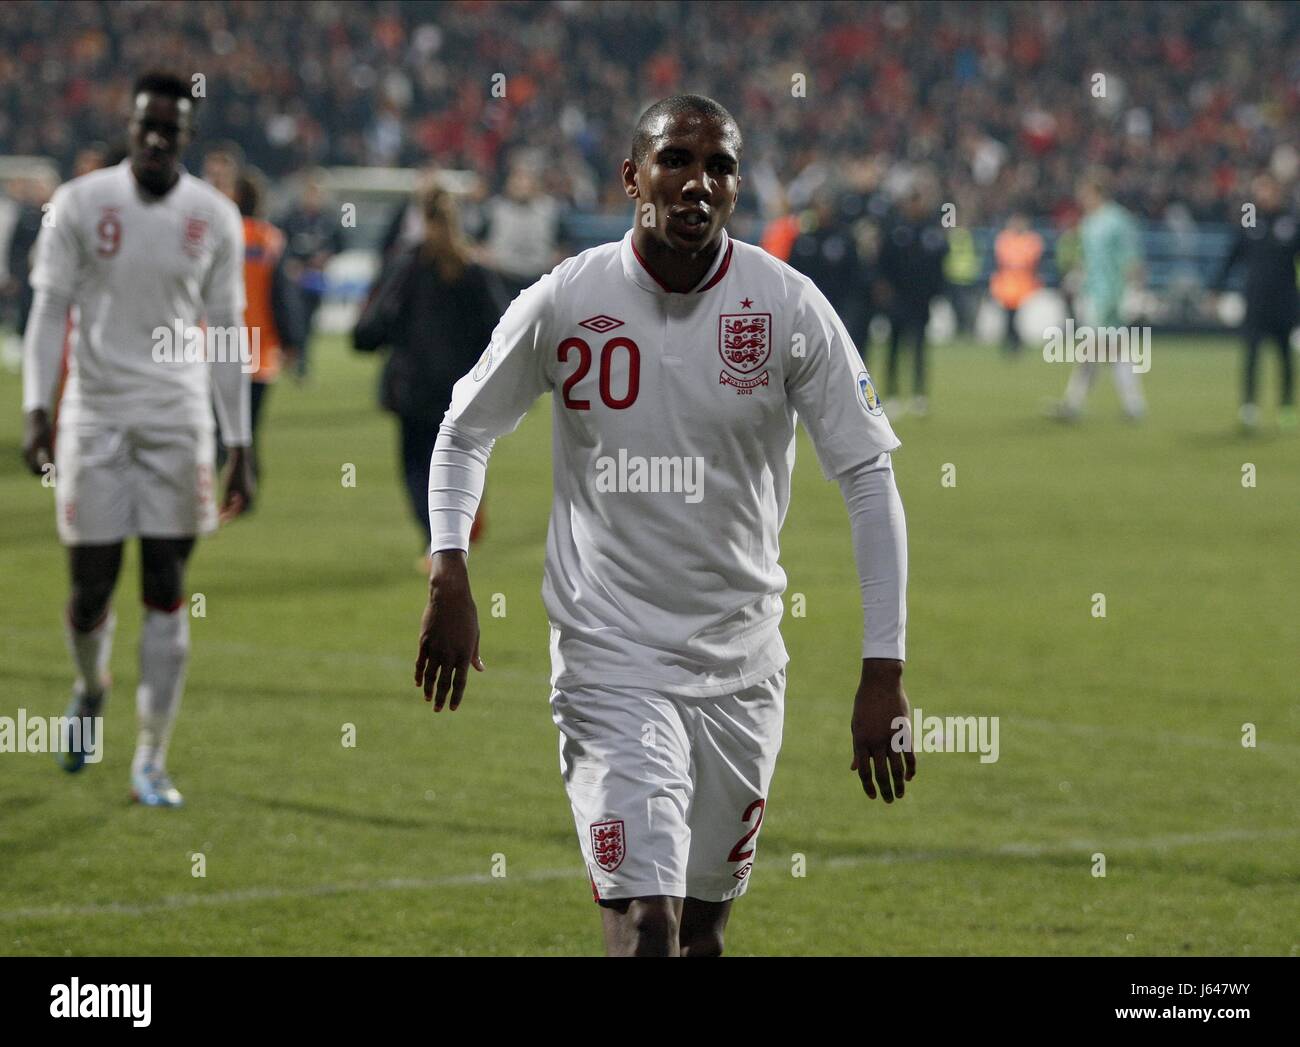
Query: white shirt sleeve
[
  {"x": 830, "y": 389},
  {"x": 223, "y": 302},
  {"x": 223, "y": 287},
  {"x": 487, "y": 403},
  {"x": 47, "y": 326},
  {"x": 56, "y": 270},
  {"x": 880, "y": 551},
  {"x": 58, "y": 257},
  {"x": 512, "y": 373}
]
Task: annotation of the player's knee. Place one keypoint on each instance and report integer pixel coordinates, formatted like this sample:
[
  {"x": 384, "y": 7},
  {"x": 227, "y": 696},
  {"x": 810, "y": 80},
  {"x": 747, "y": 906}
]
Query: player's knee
[
  {"x": 161, "y": 591},
  {"x": 160, "y": 584},
  {"x": 654, "y": 928},
  {"x": 703, "y": 943},
  {"x": 89, "y": 603}
]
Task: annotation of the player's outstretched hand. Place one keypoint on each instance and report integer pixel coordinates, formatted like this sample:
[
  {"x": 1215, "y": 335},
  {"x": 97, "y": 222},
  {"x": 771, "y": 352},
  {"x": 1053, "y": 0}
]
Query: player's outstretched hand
[
  {"x": 241, "y": 485},
  {"x": 882, "y": 735},
  {"x": 448, "y": 633},
  {"x": 38, "y": 441}
]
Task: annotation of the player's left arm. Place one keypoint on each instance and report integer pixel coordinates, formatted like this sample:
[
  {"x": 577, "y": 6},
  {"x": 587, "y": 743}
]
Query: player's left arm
[
  {"x": 55, "y": 276},
  {"x": 833, "y": 394},
  {"x": 224, "y": 301}
]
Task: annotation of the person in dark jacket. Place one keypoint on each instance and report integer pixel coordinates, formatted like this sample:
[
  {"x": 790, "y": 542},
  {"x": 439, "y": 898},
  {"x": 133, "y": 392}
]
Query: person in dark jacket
[
  {"x": 826, "y": 252},
  {"x": 313, "y": 236},
  {"x": 911, "y": 273},
  {"x": 1269, "y": 249},
  {"x": 436, "y": 310}
]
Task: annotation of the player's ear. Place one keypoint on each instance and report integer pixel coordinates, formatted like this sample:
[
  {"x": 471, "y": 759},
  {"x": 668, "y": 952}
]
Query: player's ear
[{"x": 630, "y": 186}]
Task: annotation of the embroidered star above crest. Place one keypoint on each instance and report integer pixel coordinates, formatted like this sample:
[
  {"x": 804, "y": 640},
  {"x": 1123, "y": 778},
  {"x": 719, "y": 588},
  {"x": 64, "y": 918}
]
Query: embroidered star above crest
[{"x": 745, "y": 303}]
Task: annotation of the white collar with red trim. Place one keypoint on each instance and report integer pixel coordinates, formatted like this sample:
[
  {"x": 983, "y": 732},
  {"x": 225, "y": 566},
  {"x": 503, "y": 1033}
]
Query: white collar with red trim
[{"x": 635, "y": 270}]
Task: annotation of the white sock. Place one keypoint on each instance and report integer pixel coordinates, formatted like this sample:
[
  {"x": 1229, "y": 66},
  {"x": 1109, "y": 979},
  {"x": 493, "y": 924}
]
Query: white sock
[
  {"x": 1130, "y": 390},
  {"x": 1076, "y": 389},
  {"x": 91, "y": 652},
  {"x": 164, "y": 652}
]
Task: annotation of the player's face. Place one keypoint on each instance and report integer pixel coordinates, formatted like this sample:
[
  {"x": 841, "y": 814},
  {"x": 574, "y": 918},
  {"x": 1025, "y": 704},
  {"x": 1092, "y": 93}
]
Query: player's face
[
  {"x": 691, "y": 176},
  {"x": 159, "y": 132}
]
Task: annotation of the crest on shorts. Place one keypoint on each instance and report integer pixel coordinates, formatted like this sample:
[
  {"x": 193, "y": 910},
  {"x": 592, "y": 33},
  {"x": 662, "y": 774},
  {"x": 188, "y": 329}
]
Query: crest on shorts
[
  {"x": 195, "y": 228},
  {"x": 608, "y": 846},
  {"x": 745, "y": 344}
]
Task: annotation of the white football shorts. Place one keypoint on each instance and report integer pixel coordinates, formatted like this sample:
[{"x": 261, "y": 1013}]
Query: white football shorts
[
  {"x": 668, "y": 792},
  {"x": 114, "y": 482}
]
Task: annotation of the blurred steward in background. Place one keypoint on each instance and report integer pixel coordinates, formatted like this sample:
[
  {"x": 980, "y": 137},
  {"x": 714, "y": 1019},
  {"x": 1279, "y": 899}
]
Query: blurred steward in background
[
  {"x": 826, "y": 252},
  {"x": 313, "y": 235},
  {"x": 1017, "y": 252},
  {"x": 274, "y": 313},
  {"x": 912, "y": 253},
  {"x": 1268, "y": 247},
  {"x": 221, "y": 166},
  {"x": 522, "y": 235},
  {"x": 961, "y": 270},
  {"x": 433, "y": 306},
  {"x": 1112, "y": 262},
  {"x": 782, "y": 231},
  {"x": 30, "y": 194}
]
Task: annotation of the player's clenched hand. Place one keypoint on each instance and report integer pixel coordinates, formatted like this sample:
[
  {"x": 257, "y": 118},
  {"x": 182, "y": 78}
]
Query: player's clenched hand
[
  {"x": 882, "y": 737},
  {"x": 38, "y": 441},
  {"x": 241, "y": 485},
  {"x": 448, "y": 633}
]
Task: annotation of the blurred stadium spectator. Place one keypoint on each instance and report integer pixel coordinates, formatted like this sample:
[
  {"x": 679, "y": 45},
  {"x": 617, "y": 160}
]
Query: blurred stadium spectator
[
  {"x": 1184, "y": 102},
  {"x": 1000, "y": 97}
]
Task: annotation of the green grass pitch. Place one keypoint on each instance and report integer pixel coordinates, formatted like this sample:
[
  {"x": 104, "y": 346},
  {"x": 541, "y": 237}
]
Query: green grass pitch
[{"x": 1119, "y": 736}]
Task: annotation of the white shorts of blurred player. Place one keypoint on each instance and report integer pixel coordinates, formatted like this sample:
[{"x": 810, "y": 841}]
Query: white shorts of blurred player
[
  {"x": 668, "y": 792},
  {"x": 114, "y": 482}
]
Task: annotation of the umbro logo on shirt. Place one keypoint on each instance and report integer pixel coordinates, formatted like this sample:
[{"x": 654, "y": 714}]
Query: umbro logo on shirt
[{"x": 600, "y": 324}]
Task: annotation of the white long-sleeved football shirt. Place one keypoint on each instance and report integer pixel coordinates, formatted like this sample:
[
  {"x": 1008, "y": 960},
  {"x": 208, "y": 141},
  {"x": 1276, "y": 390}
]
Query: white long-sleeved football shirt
[
  {"x": 674, "y": 440},
  {"x": 132, "y": 265}
]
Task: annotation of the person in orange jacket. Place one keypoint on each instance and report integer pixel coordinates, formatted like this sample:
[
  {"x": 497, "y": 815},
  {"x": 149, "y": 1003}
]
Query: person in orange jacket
[
  {"x": 274, "y": 311},
  {"x": 1017, "y": 253}
]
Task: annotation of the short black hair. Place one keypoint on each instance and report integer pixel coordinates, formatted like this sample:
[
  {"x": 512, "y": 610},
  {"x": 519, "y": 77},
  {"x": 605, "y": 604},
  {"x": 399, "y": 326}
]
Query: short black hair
[
  {"x": 159, "y": 82},
  {"x": 675, "y": 106},
  {"x": 248, "y": 192}
]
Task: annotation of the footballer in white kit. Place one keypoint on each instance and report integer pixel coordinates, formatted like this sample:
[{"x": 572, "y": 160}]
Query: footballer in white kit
[
  {"x": 148, "y": 260},
  {"x": 678, "y": 359}
]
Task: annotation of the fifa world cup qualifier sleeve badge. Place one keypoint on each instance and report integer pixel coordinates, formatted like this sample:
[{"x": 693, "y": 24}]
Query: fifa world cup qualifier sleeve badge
[{"x": 867, "y": 395}]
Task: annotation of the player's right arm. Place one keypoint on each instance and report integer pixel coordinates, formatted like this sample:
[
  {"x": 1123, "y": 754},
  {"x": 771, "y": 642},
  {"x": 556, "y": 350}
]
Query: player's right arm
[
  {"x": 487, "y": 403},
  {"x": 55, "y": 272}
]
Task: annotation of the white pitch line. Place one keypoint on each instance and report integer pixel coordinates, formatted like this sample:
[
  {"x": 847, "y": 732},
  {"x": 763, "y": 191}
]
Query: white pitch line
[{"x": 261, "y": 894}]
